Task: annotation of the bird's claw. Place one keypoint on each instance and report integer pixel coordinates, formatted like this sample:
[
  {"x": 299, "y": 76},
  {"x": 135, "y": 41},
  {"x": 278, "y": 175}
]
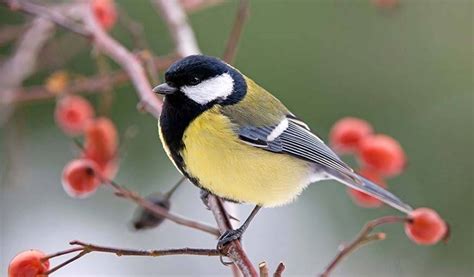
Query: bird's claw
[{"x": 229, "y": 236}]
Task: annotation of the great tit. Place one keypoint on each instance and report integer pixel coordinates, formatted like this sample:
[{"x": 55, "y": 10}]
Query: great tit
[{"x": 231, "y": 137}]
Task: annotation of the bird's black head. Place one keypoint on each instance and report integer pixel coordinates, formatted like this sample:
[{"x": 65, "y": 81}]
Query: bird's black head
[{"x": 204, "y": 80}]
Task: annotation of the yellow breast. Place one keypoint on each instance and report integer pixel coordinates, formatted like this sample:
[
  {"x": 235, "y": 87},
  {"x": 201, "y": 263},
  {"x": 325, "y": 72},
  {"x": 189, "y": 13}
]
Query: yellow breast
[{"x": 232, "y": 169}]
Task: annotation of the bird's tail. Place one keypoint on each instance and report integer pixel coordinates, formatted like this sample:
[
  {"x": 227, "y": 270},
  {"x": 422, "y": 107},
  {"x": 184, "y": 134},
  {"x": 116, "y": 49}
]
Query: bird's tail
[{"x": 360, "y": 183}]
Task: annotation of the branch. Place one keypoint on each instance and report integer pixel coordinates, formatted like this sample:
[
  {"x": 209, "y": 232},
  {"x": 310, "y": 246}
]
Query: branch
[
  {"x": 236, "y": 33},
  {"x": 86, "y": 85},
  {"x": 361, "y": 239},
  {"x": 177, "y": 22},
  {"x": 90, "y": 85},
  {"x": 126, "y": 60},
  {"x": 22, "y": 63},
  {"x": 279, "y": 271},
  {"x": 234, "y": 249},
  {"x": 263, "y": 269},
  {"x": 86, "y": 248},
  {"x": 160, "y": 211},
  {"x": 53, "y": 14}
]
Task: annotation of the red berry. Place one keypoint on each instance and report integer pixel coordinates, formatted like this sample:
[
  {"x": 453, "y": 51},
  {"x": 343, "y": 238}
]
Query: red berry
[
  {"x": 426, "y": 227},
  {"x": 382, "y": 154},
  {"x": 101, "y": 141},
  {"x": 80, "y": 178},
  {"x": 28, "y": 264},
  {"x": 347, "y": 133},
  {"x": 105, "y": 12},
  {"x": 363, "y": 199},
  {"x": 73, "y": 113}
]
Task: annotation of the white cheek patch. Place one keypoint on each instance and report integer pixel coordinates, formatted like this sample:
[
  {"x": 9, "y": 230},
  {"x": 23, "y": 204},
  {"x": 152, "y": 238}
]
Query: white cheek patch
[{"x": 208, "y": 90}]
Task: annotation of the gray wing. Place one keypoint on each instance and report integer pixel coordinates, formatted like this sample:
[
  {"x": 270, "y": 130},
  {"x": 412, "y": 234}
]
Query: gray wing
[
  {"x": 293, "y": 137},
  {"x": 296, "y": 140}
]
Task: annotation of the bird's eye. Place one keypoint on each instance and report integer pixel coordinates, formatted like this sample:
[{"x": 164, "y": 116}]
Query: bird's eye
[
  {"x": 194, "y": 81},
  {"x": 171, "y": 84}
]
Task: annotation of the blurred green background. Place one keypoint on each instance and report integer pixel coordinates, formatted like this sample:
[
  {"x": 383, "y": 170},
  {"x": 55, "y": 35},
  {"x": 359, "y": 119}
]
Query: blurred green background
[{"x": 408, "y": 70}]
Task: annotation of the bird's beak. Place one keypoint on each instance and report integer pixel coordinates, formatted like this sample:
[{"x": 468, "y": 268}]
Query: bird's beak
[{"x": 165, "y": 89}]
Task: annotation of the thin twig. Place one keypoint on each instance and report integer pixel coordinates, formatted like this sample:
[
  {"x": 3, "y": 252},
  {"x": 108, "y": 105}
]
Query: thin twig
[
  {"x": 22, "y": 63},
  {"x": 52, "y": 14},
  {"x": 361, "y": 239},
  {"x": 87, "y": 248},
  {"x": 107, "y": 97},
  {"x": 63, "y": 264},
  {"x": 61, "y": 253},
  {"x": 152, "y": 253},
  {"x": 236, "y": 32},
  {"x": 279, "y": 270},
  {"x": 177, "y": 22},
  {"x": 126, "y": 60},
  {"x": 263, "y": 268},
  {"x": 160, "y": 211},
  {"x": 84, "y": 85},
  {"x": 134, "y": 28}
]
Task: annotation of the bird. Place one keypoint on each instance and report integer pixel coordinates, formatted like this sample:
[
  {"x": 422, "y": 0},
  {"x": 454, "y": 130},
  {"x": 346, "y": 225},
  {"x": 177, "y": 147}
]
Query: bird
[{"x": 234, "y": 139}]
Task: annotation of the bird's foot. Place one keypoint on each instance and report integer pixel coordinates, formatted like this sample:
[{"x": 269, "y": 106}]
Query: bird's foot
[{"x": 229, "y": 236}]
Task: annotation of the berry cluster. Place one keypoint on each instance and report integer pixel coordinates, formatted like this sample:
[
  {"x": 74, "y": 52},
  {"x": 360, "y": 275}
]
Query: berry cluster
[
  {"x": 98, "y": 159},
  {"x": 381, "y": 156}
]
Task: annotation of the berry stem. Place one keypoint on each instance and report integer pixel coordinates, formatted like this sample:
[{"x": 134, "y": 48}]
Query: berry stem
[
  {"x": 61, "y": 253},
  {"x": 173, "y": 189},
  {"x": 365, "y": 236},
  {"x": 61, "y": 265}
]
